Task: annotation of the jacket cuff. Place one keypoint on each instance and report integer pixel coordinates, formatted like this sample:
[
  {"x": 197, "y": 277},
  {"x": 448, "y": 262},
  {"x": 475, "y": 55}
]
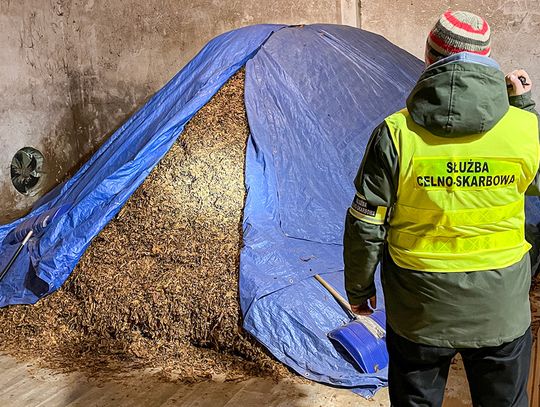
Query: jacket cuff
[
  {"x": 355, "y": 299},
  {"x": 522, "y": 101}
]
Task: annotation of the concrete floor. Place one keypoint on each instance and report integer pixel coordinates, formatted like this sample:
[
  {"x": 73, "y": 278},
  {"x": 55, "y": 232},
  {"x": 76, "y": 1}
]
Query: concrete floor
[{"x": 23, "y": 385}]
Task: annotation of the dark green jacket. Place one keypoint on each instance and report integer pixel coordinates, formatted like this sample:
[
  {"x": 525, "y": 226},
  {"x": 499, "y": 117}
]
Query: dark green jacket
[{"x": 469, "y": 309}]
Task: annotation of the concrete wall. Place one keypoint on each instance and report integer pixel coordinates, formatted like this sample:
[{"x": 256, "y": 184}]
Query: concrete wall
[
  {"x": 515, "y": 27},
  {"x": 73, "y": 71},
  {"x": 35, "y": 108}
]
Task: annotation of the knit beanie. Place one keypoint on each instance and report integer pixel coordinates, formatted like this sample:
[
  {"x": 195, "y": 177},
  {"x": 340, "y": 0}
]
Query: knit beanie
[{"x": 458, "y": 31}]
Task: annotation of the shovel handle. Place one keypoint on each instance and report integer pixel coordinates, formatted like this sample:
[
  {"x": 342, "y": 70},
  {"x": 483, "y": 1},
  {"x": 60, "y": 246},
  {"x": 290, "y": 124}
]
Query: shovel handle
[
  {"x": 344, "y": 303},
  {"x": 371, "y": 325},
  {"x": 14, "y": 257}
]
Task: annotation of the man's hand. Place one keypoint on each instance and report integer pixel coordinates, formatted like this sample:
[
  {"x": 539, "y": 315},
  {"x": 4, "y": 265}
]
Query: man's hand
[
  {"x": 515, "y": 86},
  {"x": 364, "y": 309}
]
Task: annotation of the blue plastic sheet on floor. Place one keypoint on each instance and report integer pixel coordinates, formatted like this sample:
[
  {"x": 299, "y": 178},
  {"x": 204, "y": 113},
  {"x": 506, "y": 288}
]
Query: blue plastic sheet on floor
[{"x": 313, "y": 95}]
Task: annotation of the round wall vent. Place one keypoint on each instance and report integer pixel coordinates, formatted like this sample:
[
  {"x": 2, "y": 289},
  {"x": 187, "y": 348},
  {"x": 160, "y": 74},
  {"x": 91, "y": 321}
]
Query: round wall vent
[{"x": 26, "y": 170}]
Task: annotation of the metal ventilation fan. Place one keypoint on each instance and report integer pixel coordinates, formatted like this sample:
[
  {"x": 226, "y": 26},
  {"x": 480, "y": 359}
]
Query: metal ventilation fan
[{"x": 26, "y": 170}]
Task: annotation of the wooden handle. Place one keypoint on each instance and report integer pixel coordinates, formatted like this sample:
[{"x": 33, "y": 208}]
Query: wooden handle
[
  {"x": 371, "y": 325},
  {"x": 334, "y": 293}
]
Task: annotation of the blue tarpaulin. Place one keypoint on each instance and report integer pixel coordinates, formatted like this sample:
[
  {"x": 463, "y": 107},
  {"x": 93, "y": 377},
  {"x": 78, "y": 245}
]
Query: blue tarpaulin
[
  {"x": 103, "y": 184},
  {"x": 313, "y": 95}
]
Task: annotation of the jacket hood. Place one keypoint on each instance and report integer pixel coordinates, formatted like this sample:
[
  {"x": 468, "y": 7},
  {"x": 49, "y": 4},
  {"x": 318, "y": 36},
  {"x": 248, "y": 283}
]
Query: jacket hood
[{"x": 460, "y": 95}]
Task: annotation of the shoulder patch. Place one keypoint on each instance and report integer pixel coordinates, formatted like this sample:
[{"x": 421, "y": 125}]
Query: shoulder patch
[{"x": 363, "y": 210}]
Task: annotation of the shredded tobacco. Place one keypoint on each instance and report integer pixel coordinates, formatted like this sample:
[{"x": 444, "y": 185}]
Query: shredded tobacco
[{"x": 158, "y": 287}]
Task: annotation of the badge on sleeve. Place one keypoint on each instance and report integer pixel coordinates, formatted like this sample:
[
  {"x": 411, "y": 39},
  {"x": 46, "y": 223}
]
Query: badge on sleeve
[{"x": 363, "y": 210}]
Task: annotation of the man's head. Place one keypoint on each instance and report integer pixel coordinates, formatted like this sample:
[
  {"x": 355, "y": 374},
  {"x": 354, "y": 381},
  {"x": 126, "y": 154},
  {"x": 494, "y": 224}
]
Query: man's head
[{"x": 458, "y": 31}]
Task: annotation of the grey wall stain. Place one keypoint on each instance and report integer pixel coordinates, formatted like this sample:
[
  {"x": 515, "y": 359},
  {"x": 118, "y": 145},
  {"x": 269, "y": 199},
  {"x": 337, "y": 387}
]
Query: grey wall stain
[
  {"x": 72, "y": 71},
  {"x": 515, "y": 27},
  {"x": 34, "y": 87}
]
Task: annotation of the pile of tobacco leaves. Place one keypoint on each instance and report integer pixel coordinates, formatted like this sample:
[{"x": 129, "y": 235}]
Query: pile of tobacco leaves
[{"x": 158, "y": 287}]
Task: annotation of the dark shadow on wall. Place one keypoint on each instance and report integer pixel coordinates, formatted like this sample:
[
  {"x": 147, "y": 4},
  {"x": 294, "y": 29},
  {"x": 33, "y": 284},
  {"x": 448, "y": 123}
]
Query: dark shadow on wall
[{"x": 75, "y": 138}]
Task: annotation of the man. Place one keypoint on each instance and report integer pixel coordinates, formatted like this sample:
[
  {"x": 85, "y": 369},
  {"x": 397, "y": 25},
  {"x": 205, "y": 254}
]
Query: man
[{"x": 440, "y": 201}]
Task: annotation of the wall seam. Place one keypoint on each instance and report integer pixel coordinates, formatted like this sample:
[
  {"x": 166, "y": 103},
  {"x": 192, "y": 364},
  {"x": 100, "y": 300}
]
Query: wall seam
[{"x": 359, "y": 17}]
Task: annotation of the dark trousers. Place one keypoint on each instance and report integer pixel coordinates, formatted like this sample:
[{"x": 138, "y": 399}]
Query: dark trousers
[{"x": 497, "y": 375}]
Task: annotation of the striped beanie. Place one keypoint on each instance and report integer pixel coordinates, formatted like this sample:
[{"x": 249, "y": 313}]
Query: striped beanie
[{"x": 458, "y": 31}]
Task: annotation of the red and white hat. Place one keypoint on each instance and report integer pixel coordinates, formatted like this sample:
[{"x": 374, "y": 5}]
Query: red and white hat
[{"x": 458, "y": 31}]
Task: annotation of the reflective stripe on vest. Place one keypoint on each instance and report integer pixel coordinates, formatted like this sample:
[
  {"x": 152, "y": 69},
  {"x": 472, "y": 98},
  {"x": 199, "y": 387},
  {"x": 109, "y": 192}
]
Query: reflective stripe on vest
[{"x": 460, "y": 201}]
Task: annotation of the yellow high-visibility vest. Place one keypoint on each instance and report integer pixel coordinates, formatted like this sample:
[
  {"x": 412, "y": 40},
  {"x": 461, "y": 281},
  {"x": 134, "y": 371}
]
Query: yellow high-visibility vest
[{"x": 460, "y": 201}]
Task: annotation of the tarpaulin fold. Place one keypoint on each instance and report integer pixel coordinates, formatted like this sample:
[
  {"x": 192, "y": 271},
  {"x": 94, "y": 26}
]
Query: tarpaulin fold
[
  {"x": 102, "y": 185},
  {"x": 313, "y": 96}
]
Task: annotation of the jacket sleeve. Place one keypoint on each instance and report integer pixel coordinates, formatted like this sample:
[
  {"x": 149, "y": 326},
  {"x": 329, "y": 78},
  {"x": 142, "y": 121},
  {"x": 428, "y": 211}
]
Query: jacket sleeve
[
  {"x": 526, "y": 102},
  {"x": 366, "y": 219},
  {"x": 532, "y": 232}
]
